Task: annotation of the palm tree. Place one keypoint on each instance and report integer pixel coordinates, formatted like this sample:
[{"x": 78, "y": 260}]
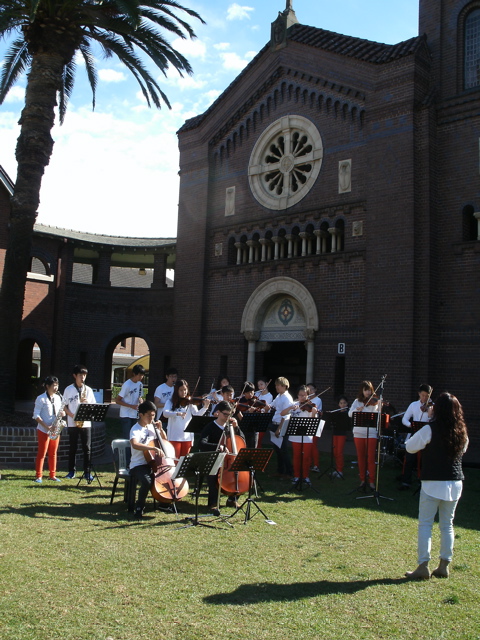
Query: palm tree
[{"x": 46, "y": 37}]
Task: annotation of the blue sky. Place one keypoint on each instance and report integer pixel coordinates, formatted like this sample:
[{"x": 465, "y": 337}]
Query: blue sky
[{"x": 114, "y": 170}]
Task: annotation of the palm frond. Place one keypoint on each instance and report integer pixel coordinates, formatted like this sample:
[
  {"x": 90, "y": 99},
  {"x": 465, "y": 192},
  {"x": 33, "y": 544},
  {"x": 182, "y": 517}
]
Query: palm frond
[
  {"x": 16, "y": 60},
  {"x": 66, "y": 88},
  {"x": 90, "y": 68}
]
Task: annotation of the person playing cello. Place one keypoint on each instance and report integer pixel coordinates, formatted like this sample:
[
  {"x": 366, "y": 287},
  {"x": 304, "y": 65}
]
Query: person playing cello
[
  {"x": 141, "y": 436},
  {"x": 210, "y": 439}
]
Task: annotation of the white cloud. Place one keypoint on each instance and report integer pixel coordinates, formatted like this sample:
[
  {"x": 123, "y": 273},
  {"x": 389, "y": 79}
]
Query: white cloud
[
  {"x": 237, "y": 12},
  {"x": 222, "y": 46},
  {"x": 190, "y": 48},
  {"x": 110, "y": 75},
  {"x": 16, "y": 94},
  {"x": 122, "y": 177},
  {"x": 233, "y": 61}
]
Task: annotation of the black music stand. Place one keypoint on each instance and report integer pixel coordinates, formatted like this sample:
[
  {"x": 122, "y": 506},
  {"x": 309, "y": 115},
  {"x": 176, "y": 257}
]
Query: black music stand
[
  {"x": 198, "y": 465},
  {"x": 197, "y": 425},
  {"x": 90, "y": 413},
  {"x": 251, "y": 460},
  {"x": 298, "y": 426},
  {"x": 256, "y": 423},
  {"x": 338, "y": 419}
]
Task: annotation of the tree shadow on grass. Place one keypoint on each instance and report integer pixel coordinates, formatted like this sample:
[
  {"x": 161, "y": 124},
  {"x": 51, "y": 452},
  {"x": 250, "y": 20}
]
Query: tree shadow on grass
[{"x": 272, "y": 592}]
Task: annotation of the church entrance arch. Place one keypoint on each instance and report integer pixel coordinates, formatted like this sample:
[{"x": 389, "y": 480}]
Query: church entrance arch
[{"x": 281, "y": 317}]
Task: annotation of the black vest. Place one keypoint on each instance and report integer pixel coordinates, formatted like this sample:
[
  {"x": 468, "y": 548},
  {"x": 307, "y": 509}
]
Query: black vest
[{"x": 436, "y": 464}]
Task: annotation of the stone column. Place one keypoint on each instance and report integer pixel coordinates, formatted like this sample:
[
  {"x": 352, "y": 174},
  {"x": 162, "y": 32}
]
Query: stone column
[
  {"x": 333, "y": 232},
  {"x": 252, "y": 337},
  {"x": 263, "y": 242},
  {"x": 306, "y": 239},
  {"x": 310, "y": 346},
  {"x": 276, "y": 241},
  {"x": 239, "y": 246},
  {"x": 318, "y": 234}
]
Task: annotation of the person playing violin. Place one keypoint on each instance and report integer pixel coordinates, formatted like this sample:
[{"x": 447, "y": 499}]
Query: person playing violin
[
  {"x": 263, "y": 395},
  {"x": 312, "y": 391},
  {"x": 246, "y": 404},
  {"x": 141, "y": 436},
  {"x": 365, "y": 439},
  {"x": 179, "y": 410},
  {"x": 418, "y": 411},
  {"x": 226, "y": 394},
  {"x": 210, "y": 440},
  {"x": 302, "y": 409}
]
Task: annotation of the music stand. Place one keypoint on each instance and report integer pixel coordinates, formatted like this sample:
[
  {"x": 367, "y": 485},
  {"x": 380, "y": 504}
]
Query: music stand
[
  {"x": 298, "y": 426},
  {"x": 90, "y": 413},
  {"x": 197, "y": 465},
  {"x": 382, "y": 419},
  {"x": 197, "y": 425},
  {"x": 251, "y": 460},
  {"x": 256, "y": 423}
]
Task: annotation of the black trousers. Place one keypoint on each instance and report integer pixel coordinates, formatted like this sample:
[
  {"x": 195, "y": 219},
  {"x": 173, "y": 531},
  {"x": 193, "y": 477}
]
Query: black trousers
[
  {"x": 85, "y": 436},
  {"x": 143, "y": 475}
]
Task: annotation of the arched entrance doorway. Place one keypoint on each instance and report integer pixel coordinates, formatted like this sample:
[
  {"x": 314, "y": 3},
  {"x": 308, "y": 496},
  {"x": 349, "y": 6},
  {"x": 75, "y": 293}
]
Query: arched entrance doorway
[{"x": 280, "y": 320}]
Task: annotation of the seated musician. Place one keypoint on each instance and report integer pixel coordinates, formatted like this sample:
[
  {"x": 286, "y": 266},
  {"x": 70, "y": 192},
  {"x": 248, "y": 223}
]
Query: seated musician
[
  {"x": 417, "y": 411},
  {"x": 142, "y": 435},
  {"x": 302, "y": 409},
  {"x": 210, "y": 440}
]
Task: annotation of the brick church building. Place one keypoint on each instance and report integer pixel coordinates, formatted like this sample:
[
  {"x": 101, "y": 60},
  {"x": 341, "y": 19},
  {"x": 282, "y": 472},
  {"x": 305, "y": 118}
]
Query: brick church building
[
  {"x": 328, "y": 227},
  {"x": 328, "y": 221}
]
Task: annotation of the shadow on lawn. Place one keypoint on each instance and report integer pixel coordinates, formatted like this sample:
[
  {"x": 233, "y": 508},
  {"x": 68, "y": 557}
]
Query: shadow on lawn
[{"x": 271, "y": 592}]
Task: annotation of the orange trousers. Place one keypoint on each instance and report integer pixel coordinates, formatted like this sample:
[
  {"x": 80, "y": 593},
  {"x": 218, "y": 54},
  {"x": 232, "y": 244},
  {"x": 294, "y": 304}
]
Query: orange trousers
[
  {"x": 46, "y": 447},
  {"x": 182, "y": 447},
  {"x": 368, "y": 452},
  {"x": 298, "y": 464},
  {"x": 338, "y": 447}
]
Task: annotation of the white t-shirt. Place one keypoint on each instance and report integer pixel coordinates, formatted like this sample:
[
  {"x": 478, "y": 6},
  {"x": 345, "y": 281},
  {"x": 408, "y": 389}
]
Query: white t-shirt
[
  {"x": 46, "y": 410},
  {"x": 281, "y": 402},
  {"x": 267, "y": 397},
  {"x": 163, "y": 392},
  {"x": 364, "y": 432},
  {"x": 416, "y": 414},
  {"x": 130, "y": 393},
  {"x": 72, "y": 397},
  {"x": 176, "y": 424},
  {"x": 143, "y": 435}
]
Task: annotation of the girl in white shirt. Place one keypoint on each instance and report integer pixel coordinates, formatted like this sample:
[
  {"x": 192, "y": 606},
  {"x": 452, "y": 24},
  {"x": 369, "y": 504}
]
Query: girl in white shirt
[
  {"x": 365, "y": 438},
  {"x": 179, "y": 411}
]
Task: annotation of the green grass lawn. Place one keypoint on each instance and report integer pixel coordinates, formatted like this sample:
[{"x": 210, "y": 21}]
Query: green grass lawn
[{"x": 75, "y": 568}]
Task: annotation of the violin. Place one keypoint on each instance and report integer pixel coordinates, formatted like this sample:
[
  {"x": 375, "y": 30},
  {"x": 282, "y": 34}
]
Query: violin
[
  {"x": 184, "y": 402},
  {"x": 425, "y": 407},
  {"x": 163, "y": 488}
]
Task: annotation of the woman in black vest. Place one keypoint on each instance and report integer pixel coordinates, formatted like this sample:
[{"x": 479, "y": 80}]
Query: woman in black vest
[{"x": 443, "y": 442}]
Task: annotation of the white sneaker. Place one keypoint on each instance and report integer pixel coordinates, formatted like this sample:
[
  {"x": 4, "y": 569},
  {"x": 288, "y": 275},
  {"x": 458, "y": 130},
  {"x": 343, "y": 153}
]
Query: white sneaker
[
  {"x": 308, "y": 481},
  {"x": 295, "y": 480},
  {"x": 315, "y": 468},
  {"x": 38, "y": 480},
  {"x": 337, "y": 474}
]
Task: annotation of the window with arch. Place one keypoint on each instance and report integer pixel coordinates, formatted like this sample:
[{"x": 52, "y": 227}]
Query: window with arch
[{"x": 472, "y": 50}]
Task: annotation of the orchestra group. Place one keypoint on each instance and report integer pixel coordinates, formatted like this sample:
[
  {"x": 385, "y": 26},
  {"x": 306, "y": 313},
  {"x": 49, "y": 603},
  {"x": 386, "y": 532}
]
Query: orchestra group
[{"x": 434, "y": 440}]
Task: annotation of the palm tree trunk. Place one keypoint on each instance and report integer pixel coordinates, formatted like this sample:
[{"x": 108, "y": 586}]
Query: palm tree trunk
[{"x": 34, "y": 148}]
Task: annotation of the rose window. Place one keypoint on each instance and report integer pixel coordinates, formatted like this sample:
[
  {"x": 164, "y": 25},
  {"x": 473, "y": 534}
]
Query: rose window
[{"x": 285, "y": 162}]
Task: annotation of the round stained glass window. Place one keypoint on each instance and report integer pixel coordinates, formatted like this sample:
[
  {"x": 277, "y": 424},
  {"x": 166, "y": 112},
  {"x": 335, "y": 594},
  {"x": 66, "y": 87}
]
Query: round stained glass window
[{"x": 285, "y": 162}]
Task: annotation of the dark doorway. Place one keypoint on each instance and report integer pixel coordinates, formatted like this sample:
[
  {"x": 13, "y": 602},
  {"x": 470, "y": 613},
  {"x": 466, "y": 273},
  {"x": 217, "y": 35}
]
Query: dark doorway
[{"x": 286, "y": 359}]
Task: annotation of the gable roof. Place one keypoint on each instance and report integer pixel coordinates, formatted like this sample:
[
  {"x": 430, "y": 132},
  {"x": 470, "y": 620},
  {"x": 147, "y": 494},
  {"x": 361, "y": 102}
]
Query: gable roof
[
  {"x": 5, "y": 180},
  {"x": 348, "y": 46}
]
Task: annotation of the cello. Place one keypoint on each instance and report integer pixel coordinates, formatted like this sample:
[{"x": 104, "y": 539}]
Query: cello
[
  {"x": 163, "y": 488},
  {"x": 232, "y": 483}
]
